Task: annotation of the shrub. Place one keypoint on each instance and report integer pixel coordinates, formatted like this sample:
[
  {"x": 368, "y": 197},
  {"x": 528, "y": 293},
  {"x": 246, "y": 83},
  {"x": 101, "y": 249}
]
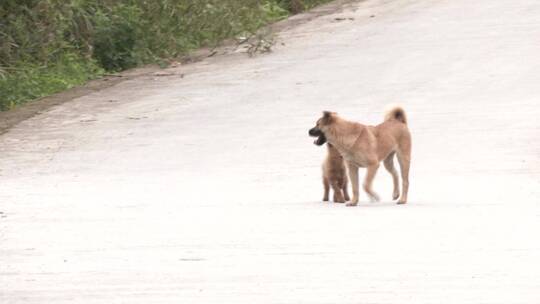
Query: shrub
[
  {"x": 28, "y": 81},
  {"x": 51, "y": 45}
]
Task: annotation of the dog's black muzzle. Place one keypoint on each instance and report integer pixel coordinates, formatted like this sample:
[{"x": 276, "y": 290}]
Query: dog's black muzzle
[{"x": 316, "y": 132}]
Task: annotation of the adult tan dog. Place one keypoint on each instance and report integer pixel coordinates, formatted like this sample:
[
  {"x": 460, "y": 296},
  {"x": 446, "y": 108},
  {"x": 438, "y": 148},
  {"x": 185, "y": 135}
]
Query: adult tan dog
[
  {"x": 366, "y": 146},
  {"x": 335, "y": 176}
]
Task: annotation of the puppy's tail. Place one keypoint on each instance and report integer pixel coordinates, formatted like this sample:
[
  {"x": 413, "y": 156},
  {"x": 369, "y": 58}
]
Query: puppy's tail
[{"x": 397, "y": 113}]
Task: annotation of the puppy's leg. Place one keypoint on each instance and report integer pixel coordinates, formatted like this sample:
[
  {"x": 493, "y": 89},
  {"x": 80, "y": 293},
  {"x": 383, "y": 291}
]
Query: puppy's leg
[
  {"x": 326, "y": 189},
  {"x": 389, "y": 165},
  {"x": 404, "y": 159},
  {"x": 345, "y": 192},
  {"x": 370, "y": 175},
  {"x": 338, "y": 196},
  {"x": 353, "y": 175}
]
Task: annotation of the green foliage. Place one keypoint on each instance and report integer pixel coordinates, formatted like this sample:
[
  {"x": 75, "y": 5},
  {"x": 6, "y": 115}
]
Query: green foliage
[
  {"x": 29, "y": 81},
  {"x": 274, "y": 11},
  {"x": 51, "y": 45},
  {"x": 295, "y": 6},
  {"x": 115, "y": 36}
]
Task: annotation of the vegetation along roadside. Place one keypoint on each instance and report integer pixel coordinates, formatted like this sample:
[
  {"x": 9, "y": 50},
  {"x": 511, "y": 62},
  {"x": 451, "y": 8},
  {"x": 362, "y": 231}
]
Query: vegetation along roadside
[{"x": 48, "y": 46}]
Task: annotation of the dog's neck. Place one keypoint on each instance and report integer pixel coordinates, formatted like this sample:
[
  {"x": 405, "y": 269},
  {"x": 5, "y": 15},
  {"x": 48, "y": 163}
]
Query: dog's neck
[{"x": 339, "y": 134}]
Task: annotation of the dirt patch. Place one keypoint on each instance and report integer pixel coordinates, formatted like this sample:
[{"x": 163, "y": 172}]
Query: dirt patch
[{"x": 10, "y": 118}]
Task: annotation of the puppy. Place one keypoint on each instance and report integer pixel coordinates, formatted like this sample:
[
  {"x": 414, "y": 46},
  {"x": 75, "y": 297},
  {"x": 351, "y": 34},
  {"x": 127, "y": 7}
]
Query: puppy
[
  {"x": 335, "y": 176},
  {"x": 366, "y": 146}
]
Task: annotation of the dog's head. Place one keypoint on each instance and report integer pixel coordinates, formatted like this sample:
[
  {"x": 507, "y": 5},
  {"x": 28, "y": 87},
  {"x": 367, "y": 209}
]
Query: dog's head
[{"x": 321, "y": 126}]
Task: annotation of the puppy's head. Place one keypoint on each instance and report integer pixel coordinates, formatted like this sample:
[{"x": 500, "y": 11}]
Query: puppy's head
[{"x": 321, "y": 126}]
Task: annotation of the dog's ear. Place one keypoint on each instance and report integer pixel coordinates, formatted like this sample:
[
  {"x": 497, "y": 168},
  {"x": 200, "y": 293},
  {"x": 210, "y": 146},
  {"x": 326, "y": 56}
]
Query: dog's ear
[{"x": 328, "y": 117}]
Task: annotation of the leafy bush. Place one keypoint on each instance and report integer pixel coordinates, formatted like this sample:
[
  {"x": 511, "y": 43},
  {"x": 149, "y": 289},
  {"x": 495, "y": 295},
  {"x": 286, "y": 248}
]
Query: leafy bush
[
  {"x": 115, "y": 36},
  {"x": 50, "y": 45},
  {"x": 29, "y": 81}
]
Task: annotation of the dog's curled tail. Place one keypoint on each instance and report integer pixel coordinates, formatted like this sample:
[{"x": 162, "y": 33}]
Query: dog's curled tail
[{"x": 397, "y": 113}]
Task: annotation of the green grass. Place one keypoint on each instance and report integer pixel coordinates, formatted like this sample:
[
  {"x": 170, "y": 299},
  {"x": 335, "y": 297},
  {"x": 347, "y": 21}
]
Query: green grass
[
  {"x": 48, "y": 46},
  {"x": 28, "y": 81}
]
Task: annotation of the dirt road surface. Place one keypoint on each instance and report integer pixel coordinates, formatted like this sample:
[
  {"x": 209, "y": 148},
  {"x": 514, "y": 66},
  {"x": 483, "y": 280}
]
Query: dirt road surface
[{"x": 205, "y": 188}]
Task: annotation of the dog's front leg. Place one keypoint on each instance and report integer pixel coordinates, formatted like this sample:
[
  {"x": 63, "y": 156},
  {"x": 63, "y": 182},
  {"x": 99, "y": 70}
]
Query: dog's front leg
[
  {"x": 353, "y": 175},
  {"x": 338, "y": 194},
  {"x": 326, "y": 185}
]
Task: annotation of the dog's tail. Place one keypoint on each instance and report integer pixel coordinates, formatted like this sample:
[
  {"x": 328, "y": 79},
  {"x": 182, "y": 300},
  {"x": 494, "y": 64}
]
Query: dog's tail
[{"x": 397, "y": 113}]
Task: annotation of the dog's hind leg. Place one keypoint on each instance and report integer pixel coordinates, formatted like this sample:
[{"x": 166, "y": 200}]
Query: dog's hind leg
[
  {"x": 338, "y": 196},
  {"x": 353, "y": 175},
  {"x": 389, "y": 165},
  {"x": 370, "y": 175},
  {"x": 404, "y": 158},
  {"x": 326, "y": 185}
]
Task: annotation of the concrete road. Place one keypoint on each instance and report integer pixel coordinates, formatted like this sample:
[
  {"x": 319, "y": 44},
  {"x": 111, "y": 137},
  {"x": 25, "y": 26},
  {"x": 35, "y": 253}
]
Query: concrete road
[{"x": 205, "y": 188}]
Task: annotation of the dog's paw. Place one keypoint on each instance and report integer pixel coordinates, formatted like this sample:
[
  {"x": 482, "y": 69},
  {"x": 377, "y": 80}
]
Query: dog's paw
[
  {"x": 351, "y": 204},
  {"x": 401, "y": 202},
  {"x": 339, "y": 201},
  {"x": 395, "y": 196}
]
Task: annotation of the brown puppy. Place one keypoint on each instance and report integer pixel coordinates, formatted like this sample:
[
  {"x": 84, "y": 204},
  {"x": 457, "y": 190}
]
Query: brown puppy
[
  {"x": 366, "y": 146},
  {"x": 335, "y": 175}
]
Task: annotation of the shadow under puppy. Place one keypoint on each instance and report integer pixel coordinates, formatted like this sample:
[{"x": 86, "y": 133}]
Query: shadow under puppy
[{"x": 334, "y": 173}]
